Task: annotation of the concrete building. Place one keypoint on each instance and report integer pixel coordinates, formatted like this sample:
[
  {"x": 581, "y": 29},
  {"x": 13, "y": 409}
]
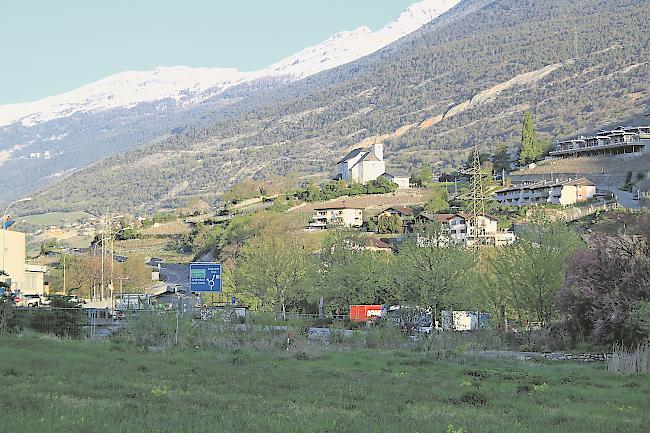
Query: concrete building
[
  {"x": 28, "y": 279},
  {"x": 12, "y": 260},
  {"x": 566, "y": 193},
  {"x": 338, "y": 214},
  {"x": 618, "y": 141}
]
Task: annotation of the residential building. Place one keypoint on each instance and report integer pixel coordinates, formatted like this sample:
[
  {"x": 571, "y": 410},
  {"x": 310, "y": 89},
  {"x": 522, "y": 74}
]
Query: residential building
[
  {"x": 338, "y": 214},
  {"x": 376, "y": 245},
  {"x": 459, "y": 229},
  {"x": 404, "y": 213},
  {"x": 566, "y": 193},
  {"x": 35, "y": 280},
  {"x": 402, "y": 182},
  {"x": 618, "y": 141}
]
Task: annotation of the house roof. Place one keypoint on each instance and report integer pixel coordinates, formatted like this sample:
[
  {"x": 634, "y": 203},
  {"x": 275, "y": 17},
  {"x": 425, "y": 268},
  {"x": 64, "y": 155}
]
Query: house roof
[
  {"x": 396, "y": 176},
  {"x": 379, "y": 244},
  {"x": 444, "y": 217},
  {"x": 338, "y": 206},
  {"x": 352, "y": 154},
  {"x": 401, "y": 209}
]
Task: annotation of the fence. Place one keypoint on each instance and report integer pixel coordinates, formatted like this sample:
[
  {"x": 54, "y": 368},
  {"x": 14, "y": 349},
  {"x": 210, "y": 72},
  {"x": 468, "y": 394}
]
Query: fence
[{"x": 61, "y": 322}]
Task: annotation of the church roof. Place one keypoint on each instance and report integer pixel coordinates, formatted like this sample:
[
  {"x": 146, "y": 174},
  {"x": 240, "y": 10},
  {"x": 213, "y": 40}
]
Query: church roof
[
  {"x": 370, "y": 156},
  {"x": 352, "y": 154}
]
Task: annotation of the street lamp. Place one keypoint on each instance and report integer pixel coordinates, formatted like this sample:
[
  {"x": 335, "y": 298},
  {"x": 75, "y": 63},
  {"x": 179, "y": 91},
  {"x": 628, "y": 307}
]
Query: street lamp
[
  {"x": 65, "y": 264},
  {"x": 5, "y": 215}
]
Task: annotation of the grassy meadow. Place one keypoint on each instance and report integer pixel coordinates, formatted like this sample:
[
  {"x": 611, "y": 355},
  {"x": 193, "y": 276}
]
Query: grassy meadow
[
  {"x": 51, "y": 385},
  {"x": 55, "y": 218}
]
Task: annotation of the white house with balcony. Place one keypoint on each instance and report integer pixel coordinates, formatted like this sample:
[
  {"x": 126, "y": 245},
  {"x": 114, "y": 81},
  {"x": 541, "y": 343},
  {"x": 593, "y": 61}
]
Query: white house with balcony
[
  {"x": 337, "y": 214},
  {"x": 460, "y": 229},
  {"x": 566, "y": 193}
]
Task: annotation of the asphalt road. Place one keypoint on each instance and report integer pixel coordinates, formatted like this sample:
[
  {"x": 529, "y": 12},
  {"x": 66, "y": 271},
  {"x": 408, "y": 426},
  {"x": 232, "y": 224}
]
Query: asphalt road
[
  {"x": 176, "y": 273},
  {"x": 625, "y": 199}
]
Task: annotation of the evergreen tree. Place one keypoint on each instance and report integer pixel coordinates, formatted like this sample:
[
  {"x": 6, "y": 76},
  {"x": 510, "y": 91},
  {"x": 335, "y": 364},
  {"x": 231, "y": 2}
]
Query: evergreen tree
[
  {"x": 530, "y": 150},
  {"x": 501, "y": 158}
]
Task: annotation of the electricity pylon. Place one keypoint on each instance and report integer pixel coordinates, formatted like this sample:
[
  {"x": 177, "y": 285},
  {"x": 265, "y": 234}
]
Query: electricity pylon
[{"x": 477, "y": 197}]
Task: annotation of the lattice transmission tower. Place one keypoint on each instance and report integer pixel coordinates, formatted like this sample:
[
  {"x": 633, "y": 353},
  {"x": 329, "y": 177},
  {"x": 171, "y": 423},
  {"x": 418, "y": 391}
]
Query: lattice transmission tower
[{"x": 477, "y": 196}]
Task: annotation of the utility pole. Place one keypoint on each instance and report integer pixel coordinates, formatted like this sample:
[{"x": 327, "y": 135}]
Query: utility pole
[{"x": 101, "y": 286}]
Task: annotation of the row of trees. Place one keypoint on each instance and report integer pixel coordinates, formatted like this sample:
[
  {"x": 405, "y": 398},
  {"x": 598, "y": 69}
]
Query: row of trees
[
  {"x": 596, "y": 291},
  {"x": 281, "y": 273}
]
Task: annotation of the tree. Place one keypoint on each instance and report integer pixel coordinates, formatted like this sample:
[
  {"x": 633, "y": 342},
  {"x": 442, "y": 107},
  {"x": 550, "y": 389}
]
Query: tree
[
  {"x": 488, "y": 289},
  {"x": 433, "y": 272},
  {"x": 532, "y": 270},
  {"x": 389, "y": 224},
  {"x": 352, "y": 275},
  {"x": 439, "y": 200},
  {"x": 7, "y": 307},
  {"x": 501, "y": 158},
  {"x": 531, "y": 147},
  {"x": 608, "y": 287},
  {"x": 275, "y": 268}
]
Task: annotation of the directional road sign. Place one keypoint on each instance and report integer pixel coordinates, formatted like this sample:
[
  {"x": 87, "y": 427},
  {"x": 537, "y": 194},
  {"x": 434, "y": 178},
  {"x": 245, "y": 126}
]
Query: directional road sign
[{"x": 205, "y": 277}]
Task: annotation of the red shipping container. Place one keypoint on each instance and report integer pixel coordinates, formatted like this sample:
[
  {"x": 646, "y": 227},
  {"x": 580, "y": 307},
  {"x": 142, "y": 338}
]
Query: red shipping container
[{"x": 363, "y": 313}]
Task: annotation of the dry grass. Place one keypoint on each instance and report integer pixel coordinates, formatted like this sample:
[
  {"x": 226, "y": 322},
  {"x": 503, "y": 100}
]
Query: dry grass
[
  {"x": 378, "y": 202},
  {"x": 172, "y": 228},
  {"x": 630, "y": 362}
]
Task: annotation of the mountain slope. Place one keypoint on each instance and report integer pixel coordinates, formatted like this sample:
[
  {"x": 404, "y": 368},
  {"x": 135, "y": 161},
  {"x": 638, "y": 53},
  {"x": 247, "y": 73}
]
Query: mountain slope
[
  {"x": 465, "y": 78},
  {"x": 55, "y": 136}
]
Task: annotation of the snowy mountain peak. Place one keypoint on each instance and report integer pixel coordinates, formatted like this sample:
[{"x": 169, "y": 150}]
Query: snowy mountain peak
[{"x": 192, "y": 85}]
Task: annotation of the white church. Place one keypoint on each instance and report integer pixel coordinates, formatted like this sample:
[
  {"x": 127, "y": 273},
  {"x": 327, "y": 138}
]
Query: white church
[{"x": 363, "y": 165}]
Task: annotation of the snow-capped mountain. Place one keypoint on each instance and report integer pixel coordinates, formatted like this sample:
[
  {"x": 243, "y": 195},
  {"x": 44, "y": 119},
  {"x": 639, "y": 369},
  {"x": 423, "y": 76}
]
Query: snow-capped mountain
[{"x": 192, "y": 85}]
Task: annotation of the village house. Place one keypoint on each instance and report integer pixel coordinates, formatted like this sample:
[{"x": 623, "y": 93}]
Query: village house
[
  {"x": 377, "y": 245},
  {"x": 566, "y": 193},
  {"x": 363, "y": 165},
  {"x": 405, "y": 213},
  {"x": 338, "y": 214},
  {"x": 402, "y": 182},
  {"x": 460, "y": 230},
  {"x": 618, "y": 141}
]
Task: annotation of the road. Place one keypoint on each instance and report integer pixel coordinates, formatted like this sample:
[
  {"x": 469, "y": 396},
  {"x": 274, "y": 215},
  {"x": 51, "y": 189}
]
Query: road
[
  {"x": 176, "y": 273},
  {"x": 625, "y": 199}
]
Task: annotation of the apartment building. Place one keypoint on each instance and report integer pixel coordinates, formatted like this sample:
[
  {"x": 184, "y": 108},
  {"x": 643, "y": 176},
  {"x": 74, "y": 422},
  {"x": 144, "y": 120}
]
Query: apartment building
[
  {"x": 566, "y": 193},
  {"x": 335, "y": 214}
]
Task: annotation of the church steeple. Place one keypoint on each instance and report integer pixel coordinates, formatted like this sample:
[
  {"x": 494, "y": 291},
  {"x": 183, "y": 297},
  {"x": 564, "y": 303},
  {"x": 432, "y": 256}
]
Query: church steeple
[{"x": 378, "y": 149}]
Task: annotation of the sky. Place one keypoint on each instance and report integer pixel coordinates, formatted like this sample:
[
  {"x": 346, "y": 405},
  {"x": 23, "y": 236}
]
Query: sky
[{"x": 52, "y": 46}]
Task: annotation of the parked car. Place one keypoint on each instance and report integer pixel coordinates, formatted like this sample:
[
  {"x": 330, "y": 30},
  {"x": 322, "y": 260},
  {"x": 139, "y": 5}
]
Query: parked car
[
  {"x": 27, "y": 300},
  {"x": 77, "y": 301}
]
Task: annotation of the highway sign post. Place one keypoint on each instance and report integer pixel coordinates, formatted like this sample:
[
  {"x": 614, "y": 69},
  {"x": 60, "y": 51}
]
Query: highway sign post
[{"x": 205, "y": 277}]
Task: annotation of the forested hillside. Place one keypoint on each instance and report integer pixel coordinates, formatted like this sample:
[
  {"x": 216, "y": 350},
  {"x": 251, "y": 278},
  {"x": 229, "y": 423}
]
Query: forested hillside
[{"x": 465, "y": 78}]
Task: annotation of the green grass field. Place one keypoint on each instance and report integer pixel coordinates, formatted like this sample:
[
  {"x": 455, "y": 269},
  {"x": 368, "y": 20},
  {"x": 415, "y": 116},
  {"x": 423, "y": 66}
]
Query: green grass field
[
  {"x": 48, "y": 385},
  {"x": 55, "y": 218}
]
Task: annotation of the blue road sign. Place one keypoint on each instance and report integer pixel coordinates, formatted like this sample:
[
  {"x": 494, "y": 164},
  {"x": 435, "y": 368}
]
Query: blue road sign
[{"x": 205, "y": 277}]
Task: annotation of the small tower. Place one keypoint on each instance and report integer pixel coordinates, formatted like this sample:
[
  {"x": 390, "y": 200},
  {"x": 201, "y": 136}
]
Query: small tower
[{"x": 378, "y": 149}]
